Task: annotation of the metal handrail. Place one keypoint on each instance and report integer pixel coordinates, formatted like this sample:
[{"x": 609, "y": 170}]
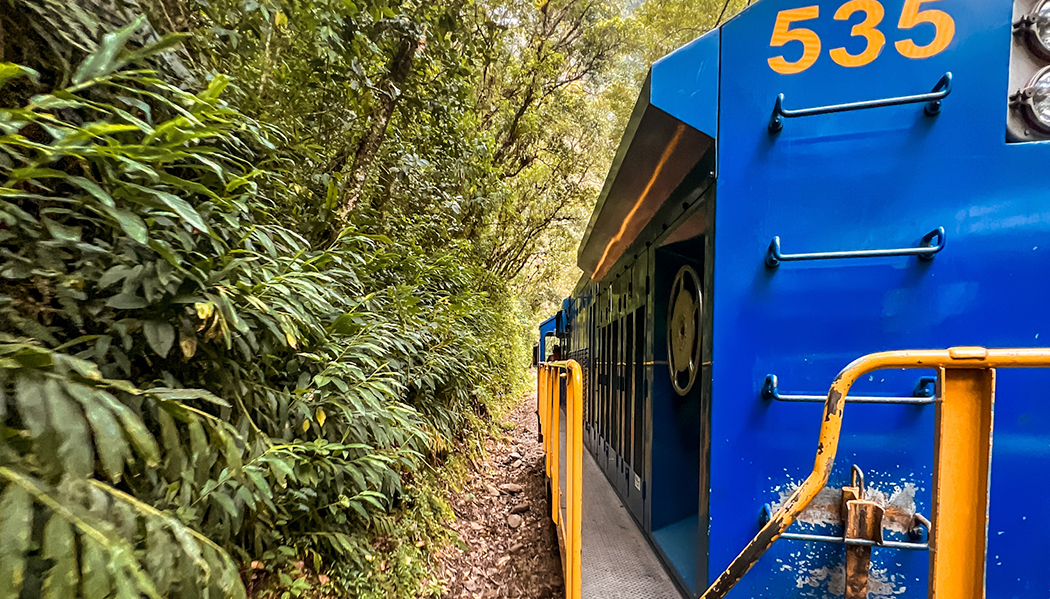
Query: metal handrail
[
  {"x": 569, "y": 524},
  {"x": 921, "y": 395},
  {"x": 920, "y": 530},
  {"x": 926, "y": 251},
  {"x": 932, "y": 100},
  {"x": 974, "y": 358},
  {"x": 858, "y": 542}
]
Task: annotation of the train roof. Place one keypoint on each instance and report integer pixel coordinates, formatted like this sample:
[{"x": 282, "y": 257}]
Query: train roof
[{"x": 673, "y": 125}]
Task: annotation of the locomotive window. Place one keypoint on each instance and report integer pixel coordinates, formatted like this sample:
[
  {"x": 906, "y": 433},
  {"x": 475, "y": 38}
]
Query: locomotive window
[
  {"x": 629, "y": 390},
  {"x": 608, "y": 382},
  {"x": 639, "y": 397}
]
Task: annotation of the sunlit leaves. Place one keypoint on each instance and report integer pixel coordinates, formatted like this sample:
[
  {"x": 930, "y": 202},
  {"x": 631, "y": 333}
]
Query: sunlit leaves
[
  {"x": 16, "y": 520},
  {"x": 89, "y": 549},
  {"x": 96, "y": 582},
  {"x": 68, "y": 413},
  {"x": 10, "y": 71},
  {"x": 106, "y": 59},
  {"x": 71, "y": 430},
  {"x": 60, "y": 548}
]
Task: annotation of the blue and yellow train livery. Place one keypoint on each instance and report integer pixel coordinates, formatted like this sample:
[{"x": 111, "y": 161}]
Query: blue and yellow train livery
[{"x": 820, "y": 215}]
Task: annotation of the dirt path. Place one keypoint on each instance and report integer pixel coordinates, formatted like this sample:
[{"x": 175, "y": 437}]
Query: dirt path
[{"x": 510, "y": 546}]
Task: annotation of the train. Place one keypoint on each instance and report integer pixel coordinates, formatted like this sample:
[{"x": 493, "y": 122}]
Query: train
[{"x": 809, "y": 340}]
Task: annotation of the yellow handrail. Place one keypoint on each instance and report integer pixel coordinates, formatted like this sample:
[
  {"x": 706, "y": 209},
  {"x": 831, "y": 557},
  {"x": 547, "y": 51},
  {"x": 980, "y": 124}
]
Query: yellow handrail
[
  {"x": 963, "y": 450},
  {"x": 548, "y": 407}
]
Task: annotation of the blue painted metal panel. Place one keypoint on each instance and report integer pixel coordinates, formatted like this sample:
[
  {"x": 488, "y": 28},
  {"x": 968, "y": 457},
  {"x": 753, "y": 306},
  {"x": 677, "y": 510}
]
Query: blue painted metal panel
[
  {"x": 877, "y": 178},
  {"x": 685, "y": 84}
]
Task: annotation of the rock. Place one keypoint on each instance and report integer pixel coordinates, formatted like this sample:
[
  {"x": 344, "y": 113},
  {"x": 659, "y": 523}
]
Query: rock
[
  {"x": 521, "y": 508},
  {"x": 492, "y": 490},
  {"x": 512, "y": 487},
  {"x": 513, "y": 520},
  {"x": 516, "y": 464},
  {"x": 515, "y": 455},
  {"x": 516, "y": 547}
]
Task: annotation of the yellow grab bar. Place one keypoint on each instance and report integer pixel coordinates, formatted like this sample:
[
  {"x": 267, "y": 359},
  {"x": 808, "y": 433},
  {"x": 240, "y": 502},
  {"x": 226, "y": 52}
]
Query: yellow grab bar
[{"x": 962, "y": 452}]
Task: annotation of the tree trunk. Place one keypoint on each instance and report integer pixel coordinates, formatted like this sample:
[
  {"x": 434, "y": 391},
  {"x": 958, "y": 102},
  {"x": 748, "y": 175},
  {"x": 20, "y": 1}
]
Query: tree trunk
[{"x": 372, "y": 140}]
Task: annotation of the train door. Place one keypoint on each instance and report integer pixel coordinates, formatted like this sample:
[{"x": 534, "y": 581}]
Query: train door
[
  {"x": 676, "y": 406},
  {"x": 614, "y": 395},
  {"x": 627, "y": 416},
  {"x": 613, "y": 466}
]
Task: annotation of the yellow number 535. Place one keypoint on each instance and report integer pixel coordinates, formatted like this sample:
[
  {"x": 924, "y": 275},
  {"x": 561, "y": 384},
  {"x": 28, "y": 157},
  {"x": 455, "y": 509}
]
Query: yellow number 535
[{"x": 874, "y": 11}]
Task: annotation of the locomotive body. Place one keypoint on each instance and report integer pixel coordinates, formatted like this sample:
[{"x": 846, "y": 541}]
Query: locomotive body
[{"x": 809, "y": 183}]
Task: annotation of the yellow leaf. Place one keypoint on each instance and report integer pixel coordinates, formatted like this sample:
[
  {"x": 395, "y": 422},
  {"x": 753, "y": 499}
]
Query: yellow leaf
[
  {"x": 214, "y": 330},
  {"x": 306, "y": 425},
  {"x": 204, "y": 310},
  {"x": 188, "y": 345},
  {"x": 257, "y": 303},
  {"x": 291, "y": 341},
  {"x": 321, "y": 417},
  {"x": 280, "y": 19}
]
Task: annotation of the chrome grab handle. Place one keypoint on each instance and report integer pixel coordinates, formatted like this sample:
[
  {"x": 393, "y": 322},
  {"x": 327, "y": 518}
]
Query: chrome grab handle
[
  {"x": 932, "y": 101},
  {"x": 926, "y": 251}
]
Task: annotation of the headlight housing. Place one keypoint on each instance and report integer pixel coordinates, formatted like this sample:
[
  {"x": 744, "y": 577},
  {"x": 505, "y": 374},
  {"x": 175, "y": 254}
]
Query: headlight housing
[
  {"x": 1034, "y": 100},
  {"x": 1036, "y": 27}
]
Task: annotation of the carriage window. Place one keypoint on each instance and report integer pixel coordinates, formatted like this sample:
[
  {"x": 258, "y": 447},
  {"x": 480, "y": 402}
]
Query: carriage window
[{"x": 552, "y": 348}]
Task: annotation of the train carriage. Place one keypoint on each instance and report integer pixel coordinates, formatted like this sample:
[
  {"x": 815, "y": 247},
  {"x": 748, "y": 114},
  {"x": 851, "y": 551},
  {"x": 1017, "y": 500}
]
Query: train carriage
[{"x": 812, "y": 182}]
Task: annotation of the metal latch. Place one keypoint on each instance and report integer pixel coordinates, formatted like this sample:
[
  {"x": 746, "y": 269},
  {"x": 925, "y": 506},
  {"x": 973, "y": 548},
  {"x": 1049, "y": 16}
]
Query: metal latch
[
  {"x": 862, "y": 530},
  {"x": 863, "y": 520}
]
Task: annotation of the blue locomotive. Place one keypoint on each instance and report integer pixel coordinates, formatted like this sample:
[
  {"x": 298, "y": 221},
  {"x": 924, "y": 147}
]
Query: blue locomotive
[{"x": 813, "y": 182}]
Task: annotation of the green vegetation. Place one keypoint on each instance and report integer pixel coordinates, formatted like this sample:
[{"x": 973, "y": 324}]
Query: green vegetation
[{"x": 265, "y": 265}]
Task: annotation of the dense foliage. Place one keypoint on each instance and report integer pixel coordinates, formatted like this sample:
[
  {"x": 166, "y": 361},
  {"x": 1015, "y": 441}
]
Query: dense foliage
[
  {"x": 208, "y": 377},
  {"x": 261, "y": 275}
]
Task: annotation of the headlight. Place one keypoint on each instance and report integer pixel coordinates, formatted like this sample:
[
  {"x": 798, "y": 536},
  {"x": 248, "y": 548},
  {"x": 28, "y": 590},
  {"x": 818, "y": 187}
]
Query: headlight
[
  {"x": 1034, "y": 100},
  {"x": 1036, "y": 26}
]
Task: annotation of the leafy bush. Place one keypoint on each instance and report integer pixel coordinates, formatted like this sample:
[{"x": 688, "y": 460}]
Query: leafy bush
[{"x": 187, "y": 384}]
